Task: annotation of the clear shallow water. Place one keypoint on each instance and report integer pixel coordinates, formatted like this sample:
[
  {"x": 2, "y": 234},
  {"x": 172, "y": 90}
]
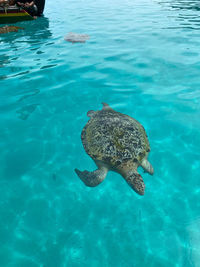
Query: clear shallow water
[{"x": 143, "y": 59}]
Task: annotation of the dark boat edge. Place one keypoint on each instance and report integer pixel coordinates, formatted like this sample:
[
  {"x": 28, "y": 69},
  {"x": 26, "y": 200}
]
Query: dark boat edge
[{"x": 15, "y": 14}]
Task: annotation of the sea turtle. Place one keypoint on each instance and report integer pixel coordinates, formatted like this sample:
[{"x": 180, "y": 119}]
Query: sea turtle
[{"x": 118, "y": 143}]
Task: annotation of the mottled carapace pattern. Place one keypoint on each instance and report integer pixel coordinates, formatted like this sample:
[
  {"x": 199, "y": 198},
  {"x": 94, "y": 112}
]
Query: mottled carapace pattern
[{"x": 114, "y": 138}]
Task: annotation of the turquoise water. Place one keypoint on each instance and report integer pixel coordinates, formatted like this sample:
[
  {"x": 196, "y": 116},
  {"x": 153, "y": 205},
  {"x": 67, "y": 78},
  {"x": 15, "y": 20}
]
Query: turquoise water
[{"x": 143, "y": 59}]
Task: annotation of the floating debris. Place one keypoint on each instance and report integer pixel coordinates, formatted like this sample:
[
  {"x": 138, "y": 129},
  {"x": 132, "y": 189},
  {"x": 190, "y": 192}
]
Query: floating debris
[
  {"x": 76, "y": 37},
  {"x": 7, "y": 29}
]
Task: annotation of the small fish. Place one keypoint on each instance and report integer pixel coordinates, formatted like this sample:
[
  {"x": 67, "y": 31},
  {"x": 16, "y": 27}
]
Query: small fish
[
  {"x": 6, "y": 29},
  {"x": 54, "y": 176},
  {"x": 76, "y": 37}
]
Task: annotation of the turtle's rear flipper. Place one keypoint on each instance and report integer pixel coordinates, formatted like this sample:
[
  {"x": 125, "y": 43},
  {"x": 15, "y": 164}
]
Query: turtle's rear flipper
[
  {"x": 136, "y": 182},
  {"x": 146, "y": 165},
  {"x": 92, "y": 178}
]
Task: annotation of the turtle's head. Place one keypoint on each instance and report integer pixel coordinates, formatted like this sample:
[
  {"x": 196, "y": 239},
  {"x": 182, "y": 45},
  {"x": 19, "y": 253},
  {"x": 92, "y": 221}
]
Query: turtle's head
[{"x": 136, "y": 182}]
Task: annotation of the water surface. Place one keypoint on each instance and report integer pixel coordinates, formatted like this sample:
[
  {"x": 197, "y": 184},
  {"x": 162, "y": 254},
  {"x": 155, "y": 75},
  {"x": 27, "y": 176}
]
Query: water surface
[{"x": 143, "y": 60}]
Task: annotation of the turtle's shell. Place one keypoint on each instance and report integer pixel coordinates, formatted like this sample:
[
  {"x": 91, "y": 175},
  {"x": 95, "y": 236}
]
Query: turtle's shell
[{"x": 114, "y": 138}]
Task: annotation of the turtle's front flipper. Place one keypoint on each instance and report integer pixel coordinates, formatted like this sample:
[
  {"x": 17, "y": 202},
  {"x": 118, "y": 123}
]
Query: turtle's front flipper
[
  {"x": 146, "y": 165},
  {"x": 92, "y": 178},
  {"x": 134, "y": 179}
]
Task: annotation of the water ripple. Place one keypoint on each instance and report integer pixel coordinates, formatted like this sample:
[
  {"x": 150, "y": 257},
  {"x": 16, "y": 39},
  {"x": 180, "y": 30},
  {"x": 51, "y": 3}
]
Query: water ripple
[{"x": 143, "y": 59}]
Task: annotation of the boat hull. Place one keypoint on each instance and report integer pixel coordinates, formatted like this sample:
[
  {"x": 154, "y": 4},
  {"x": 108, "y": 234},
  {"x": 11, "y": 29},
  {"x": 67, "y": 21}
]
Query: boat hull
[{"x": 13, "y": 14}]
